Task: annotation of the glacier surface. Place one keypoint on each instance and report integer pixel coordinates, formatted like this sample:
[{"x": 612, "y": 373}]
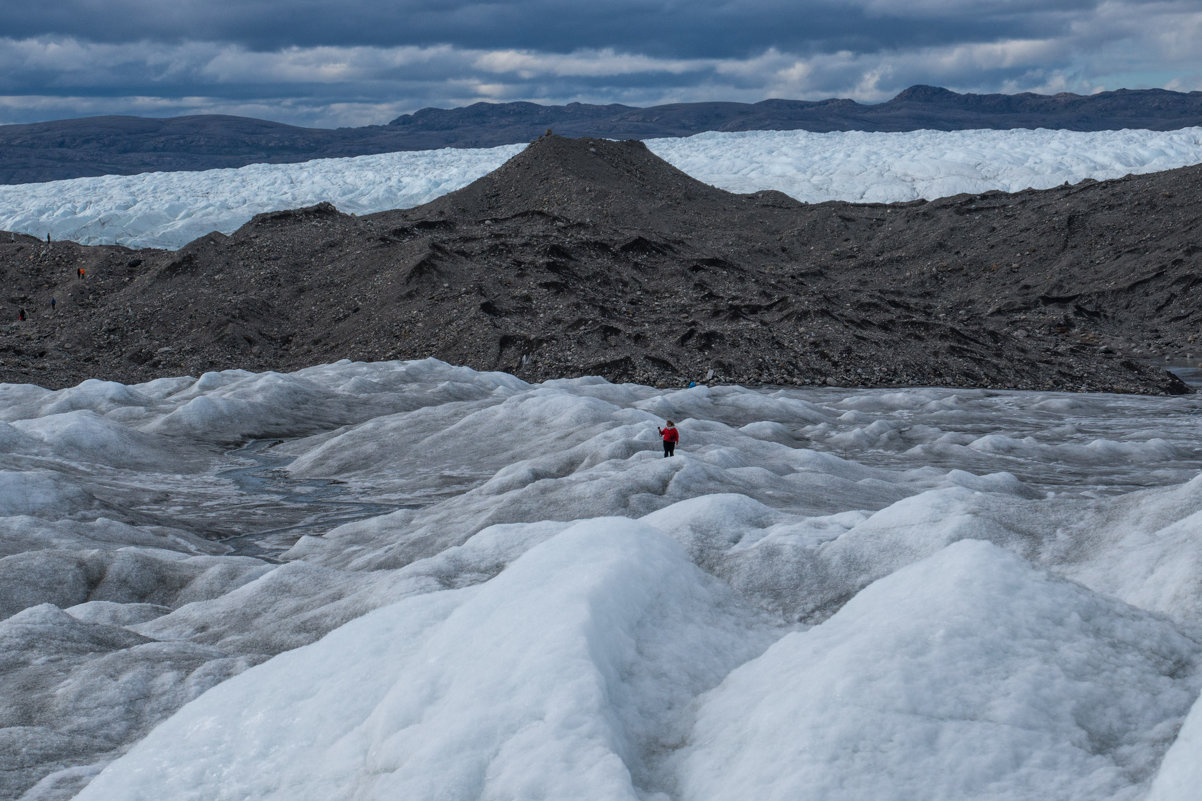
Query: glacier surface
[
  {"x": 168, "y": 210},
  {"x": 409, "y": 579}
]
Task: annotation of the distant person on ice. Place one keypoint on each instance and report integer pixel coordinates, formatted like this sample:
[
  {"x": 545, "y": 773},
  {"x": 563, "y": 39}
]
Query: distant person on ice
[{"x": 671, "y": 437}]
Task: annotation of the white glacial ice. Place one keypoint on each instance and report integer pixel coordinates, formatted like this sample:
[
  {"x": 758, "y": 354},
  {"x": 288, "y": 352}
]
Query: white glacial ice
[
  {"x": 965, "y": 675},
  {"x": 563, "y": 677},
  {"x": 408, "y": 579},
  {"x": 168, "y": 210}
]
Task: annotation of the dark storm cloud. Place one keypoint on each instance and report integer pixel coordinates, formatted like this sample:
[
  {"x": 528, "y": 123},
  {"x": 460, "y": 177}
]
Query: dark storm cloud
[
  {"x": 698, "y": 28},
  {"x": 361, "y": 61}
]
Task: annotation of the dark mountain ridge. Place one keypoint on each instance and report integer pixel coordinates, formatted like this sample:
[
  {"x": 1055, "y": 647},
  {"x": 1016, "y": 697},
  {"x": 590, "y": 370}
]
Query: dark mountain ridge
[
  {"x": 916, "y": 108},
  {"x": 126, "y": 145},
  {"x": 595, "y": 257}
]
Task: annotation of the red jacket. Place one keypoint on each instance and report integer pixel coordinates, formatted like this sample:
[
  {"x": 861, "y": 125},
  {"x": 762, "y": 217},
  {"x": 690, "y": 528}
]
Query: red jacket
[{"x": 670, "y": 434}]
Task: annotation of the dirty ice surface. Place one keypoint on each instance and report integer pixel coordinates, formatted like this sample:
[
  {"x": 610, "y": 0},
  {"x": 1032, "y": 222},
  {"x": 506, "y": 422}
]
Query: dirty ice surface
[
  {"x": 412, "y": 580},
  {"x": 168, "y": 210}
]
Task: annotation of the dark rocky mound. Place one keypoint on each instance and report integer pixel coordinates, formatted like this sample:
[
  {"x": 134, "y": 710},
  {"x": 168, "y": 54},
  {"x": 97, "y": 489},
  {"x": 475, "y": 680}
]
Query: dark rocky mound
[
  {"x": 125, "y": 145},
  {"x": 595, "y": 257},
  {"x": 620, "y": 184}
]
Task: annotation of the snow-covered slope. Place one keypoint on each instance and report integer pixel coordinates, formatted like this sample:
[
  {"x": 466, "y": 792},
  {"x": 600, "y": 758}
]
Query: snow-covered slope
[
  {"x": 420, "y": 581},
  {"x": 171, "y": 209}
]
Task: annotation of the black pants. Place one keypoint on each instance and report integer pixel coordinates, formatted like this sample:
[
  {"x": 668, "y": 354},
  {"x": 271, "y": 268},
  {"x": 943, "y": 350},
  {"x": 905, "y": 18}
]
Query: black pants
[{"x": 669, "y": 447}]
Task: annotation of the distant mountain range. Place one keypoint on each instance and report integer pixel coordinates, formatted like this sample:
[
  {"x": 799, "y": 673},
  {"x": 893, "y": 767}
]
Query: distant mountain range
[{"x": 91, "y": 146}]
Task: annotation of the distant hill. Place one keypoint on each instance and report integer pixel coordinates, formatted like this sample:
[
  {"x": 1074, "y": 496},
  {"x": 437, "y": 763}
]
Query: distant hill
[
  {"x": 91, "y": 146},
  {"x": 917, "y": 108}
]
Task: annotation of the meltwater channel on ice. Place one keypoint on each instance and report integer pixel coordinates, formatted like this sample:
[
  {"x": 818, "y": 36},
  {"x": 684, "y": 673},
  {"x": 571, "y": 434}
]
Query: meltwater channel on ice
[{"x": 414, "y": 580}]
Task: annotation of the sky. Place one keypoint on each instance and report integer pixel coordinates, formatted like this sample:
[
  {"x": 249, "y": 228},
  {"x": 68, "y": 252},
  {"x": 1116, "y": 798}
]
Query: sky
[{"x": 361, "y": 62}]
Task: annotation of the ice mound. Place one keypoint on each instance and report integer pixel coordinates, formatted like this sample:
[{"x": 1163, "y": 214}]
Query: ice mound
[
  {"x": 39, "y": 492},
  {"x": 111, "y": 683},
  {"x": 1181, "y": 771},
  {"x": 235, "y": 405},
  {"x": 84, "y": 436},
  {"x": 1022, "y": 687},
  {"x": 563, "y": 677},
  {"x": 128, "y": 575},
  {"x": 168, "y": 210}
]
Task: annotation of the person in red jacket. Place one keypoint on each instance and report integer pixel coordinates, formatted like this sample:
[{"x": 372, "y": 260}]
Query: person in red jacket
[{"x": 671, "y": 437}]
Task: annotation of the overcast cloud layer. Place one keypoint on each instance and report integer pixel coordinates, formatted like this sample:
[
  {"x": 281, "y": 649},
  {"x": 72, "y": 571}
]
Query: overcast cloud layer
[{"x": 314, "y": 62}]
